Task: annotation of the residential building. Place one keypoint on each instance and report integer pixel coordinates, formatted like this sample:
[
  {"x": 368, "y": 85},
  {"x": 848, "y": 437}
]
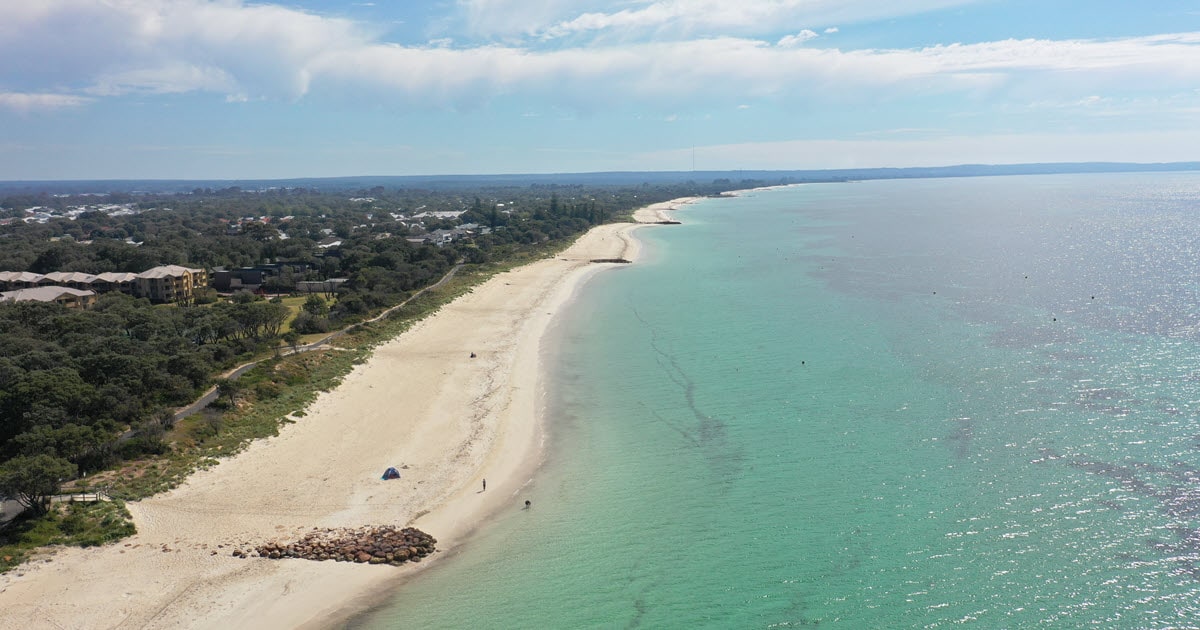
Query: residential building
[
  {"x": 68, "y": 297},
  {"x": 251, "y": 278},
  {"x": 169, "y": 283},
  {"x": 320, "y": 286},
  {"x": 15, "y": 280}
]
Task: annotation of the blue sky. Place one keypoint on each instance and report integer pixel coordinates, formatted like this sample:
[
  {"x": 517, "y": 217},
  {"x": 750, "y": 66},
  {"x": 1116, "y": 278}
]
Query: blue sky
[{"x": 98, "y": 89}]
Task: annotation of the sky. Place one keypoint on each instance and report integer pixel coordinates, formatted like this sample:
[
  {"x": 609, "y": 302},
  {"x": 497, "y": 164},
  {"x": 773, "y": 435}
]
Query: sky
[{"x": 227, "y": 89}]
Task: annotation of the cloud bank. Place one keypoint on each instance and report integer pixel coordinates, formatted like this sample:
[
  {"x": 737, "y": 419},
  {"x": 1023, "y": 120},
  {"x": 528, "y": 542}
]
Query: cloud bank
[
  {"x": 92, "y": 49},
  {"x": 27, "y": 102},
  {"x": 677, "y": 18}
]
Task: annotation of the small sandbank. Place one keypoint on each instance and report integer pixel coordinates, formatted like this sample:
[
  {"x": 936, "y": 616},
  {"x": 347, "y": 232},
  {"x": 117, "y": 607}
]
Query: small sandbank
[
  {"x": 421, "y": 403},
  {"x": 660, "y": 212}
]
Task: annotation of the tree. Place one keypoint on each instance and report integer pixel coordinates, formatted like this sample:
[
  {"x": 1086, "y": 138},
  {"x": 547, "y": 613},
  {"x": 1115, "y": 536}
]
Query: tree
[
  {"x": 268, "y": 318},
  {"x": 228, "y": 388},
  {"x": 165, "y": 418},
  {"x": 315, "y": 306},
  {"x": 71, "y": 442},
  {"x": 32, "y": 480},
  {"x": 204, "y": 295},
  {"x": 149, "y": 437},
  {"x": 243, "y": 297},
  {"x": 292, "y": 338},
  {"x": 308, "y": 324},
  {"x": 253, "y": 320}
]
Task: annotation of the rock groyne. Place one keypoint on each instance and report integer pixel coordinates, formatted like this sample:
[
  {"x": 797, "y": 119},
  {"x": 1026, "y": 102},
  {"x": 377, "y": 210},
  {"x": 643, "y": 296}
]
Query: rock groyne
[{"x": 382, "y": 544}]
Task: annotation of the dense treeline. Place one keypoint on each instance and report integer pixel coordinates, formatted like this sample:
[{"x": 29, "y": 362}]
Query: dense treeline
[
  {"x": 80, "y": 390},
  {"x": 74, "y": 381}
]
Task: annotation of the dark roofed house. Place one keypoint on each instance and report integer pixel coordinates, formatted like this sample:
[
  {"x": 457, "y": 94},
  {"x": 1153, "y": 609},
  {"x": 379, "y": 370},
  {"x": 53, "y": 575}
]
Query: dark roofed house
[
  {"x": 251, "y": 278},
  {"x": 238, "y": 279}
]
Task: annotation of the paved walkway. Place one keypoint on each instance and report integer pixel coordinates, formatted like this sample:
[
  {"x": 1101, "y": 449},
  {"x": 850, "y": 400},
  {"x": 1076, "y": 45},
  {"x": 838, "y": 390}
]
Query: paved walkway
[{"x": 9, "y": 510}]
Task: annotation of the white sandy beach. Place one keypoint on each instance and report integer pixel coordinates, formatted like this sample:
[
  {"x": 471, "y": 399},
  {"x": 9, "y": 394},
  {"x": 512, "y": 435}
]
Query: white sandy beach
[{"x": 420, "y": 403}]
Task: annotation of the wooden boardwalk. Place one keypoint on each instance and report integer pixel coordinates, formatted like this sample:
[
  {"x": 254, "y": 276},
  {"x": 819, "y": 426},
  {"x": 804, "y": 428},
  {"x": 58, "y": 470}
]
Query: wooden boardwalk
[{"x": 11, "y": 508}]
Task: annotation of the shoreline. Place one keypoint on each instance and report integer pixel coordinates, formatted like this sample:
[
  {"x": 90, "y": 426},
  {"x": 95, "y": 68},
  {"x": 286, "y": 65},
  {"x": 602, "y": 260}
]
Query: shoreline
[{"x": 420, "y": 403}]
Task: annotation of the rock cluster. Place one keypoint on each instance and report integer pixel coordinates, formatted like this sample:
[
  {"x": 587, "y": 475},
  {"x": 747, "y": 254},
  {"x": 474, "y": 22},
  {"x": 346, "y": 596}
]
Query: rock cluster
[{"x": 382, "y": 544}]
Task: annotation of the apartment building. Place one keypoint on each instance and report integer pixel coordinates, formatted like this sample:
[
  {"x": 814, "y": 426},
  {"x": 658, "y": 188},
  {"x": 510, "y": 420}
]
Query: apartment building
[
  {"x": 66, "y": 296},
  {"x": 168, "y": 283}
]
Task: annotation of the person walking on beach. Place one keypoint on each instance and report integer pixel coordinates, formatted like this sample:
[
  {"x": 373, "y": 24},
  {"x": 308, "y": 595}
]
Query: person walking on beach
[{"x": 485, "y": 484}]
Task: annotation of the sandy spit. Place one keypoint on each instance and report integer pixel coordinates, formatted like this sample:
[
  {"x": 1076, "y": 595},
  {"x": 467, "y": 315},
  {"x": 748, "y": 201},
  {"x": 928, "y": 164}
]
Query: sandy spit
[{"x": 420, "y": 403}]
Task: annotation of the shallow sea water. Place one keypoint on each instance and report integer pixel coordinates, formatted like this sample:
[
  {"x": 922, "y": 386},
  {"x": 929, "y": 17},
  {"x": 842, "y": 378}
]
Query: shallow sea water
[{"x": 917, "y": 404}]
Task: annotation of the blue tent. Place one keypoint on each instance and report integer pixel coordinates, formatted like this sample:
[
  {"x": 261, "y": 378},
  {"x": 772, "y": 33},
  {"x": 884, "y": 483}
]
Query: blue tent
[{"x": 391, "y": 473}]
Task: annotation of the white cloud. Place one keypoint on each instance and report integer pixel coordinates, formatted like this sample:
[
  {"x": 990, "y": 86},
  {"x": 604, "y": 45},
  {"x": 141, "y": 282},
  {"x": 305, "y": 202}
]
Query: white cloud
[
  {"x": 170, "y": 77},
  {"x": 908, "y": 131},
  {"x": 28, "y": 102},
  {"x": 111, "y": 46},
  {"x": 518, "y": 18},
  {"x": 789, "y": 41},
  {"x": 711, "y": 17},
  {"x": 243, "y": 51},
  {"x": 1180, "y": 109},
  {"x": 736, "y": 69},
  {"x": 831, "y": 30}
]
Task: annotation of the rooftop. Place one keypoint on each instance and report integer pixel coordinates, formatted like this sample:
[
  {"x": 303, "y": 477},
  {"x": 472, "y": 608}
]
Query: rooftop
[{"x": 42, "y": 294}]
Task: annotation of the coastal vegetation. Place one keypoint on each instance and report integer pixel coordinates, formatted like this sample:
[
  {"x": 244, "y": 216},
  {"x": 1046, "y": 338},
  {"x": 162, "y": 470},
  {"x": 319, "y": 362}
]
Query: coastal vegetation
[
  {"x": 89, "y": 399},
  {"x": 76, "y": 524}
]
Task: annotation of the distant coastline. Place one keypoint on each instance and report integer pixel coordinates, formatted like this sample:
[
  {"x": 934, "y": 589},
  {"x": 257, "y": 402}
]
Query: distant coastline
[{"x": 740, "y": 179}]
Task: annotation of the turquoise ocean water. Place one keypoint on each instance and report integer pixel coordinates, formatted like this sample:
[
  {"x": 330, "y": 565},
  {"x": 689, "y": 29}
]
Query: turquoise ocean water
[{"x": 890, "y": 404}]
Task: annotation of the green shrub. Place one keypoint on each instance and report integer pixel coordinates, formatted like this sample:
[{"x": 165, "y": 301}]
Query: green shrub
[{"x": 268, "y": 390}]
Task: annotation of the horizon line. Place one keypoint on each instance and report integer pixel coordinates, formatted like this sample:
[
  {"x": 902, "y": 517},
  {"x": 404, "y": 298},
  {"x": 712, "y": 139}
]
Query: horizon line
[{"x": 1169, "y": 165}]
